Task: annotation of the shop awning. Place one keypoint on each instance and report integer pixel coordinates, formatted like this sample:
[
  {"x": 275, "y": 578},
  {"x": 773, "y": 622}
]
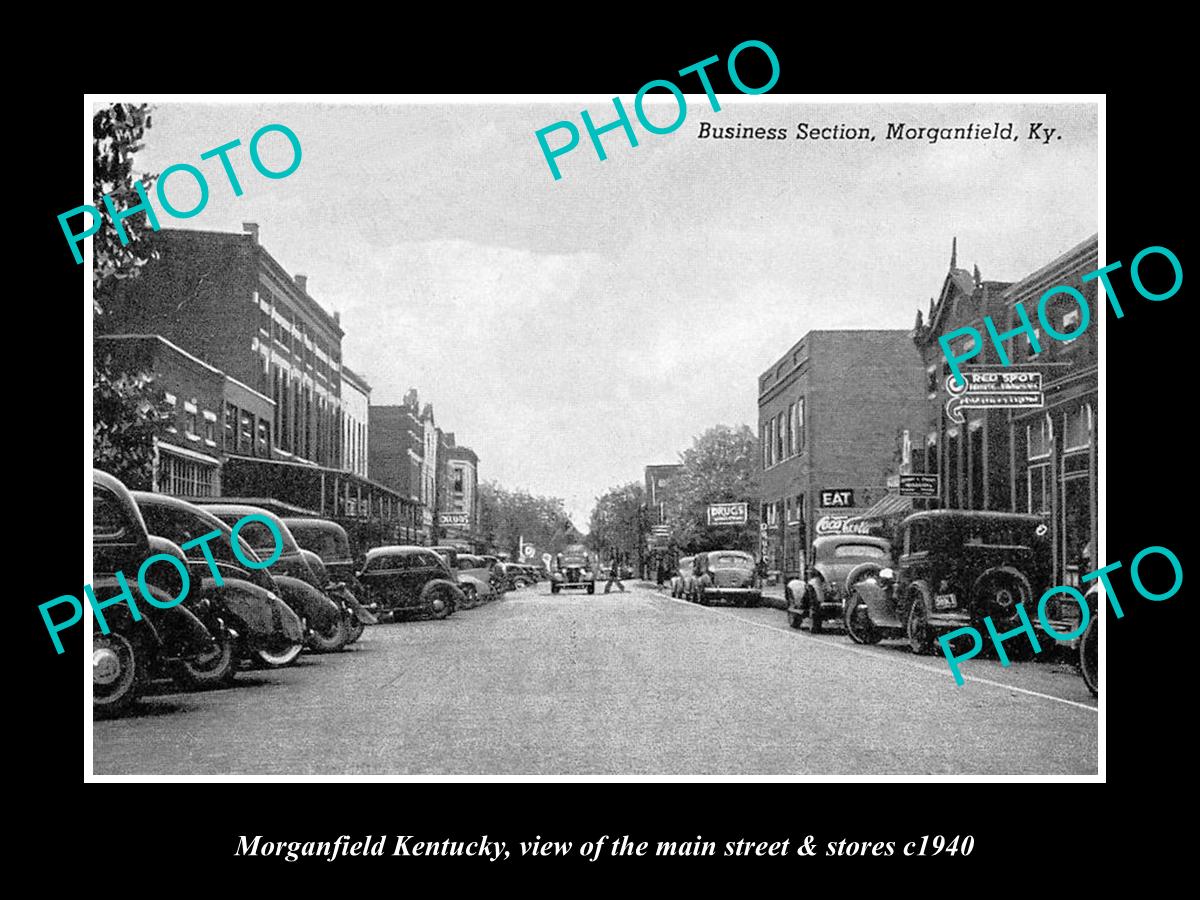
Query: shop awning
[{"x": 891, "y": 506}]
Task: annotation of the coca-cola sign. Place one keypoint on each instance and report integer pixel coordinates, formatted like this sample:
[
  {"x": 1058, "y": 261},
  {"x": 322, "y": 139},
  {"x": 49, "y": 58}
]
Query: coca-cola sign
[{"x": 844, "y": 525}]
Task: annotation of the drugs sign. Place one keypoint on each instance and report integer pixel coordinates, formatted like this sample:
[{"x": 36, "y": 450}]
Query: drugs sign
[
  {"x": 727, "y": 514},
  {"x": 456, "y": 520}
]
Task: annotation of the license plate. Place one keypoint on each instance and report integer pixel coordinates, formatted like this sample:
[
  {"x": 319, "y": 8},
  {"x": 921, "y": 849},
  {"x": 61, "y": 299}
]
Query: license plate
[{"x": 945, "y": 601}]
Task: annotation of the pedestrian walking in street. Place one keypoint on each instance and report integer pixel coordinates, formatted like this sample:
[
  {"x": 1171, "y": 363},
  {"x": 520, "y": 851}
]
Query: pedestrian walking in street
[{"x": 614, "y": 574}]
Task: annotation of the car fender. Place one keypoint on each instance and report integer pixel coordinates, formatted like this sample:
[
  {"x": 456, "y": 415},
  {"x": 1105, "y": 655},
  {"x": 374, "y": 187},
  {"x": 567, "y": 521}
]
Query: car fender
[
  {"x": 181, "y": 632},
  {"x": 442, "y": 583},
  {"x": 924, "y": 596},
  {"x": 870, "y": 569},
  {"x": 792, "y": 591},
  {"x": 142, "y": 633},
  {"x": 879, "y": 600},
  {"x": 816, "y": 587},
  {"x": 248, "y": 609},
  {"x": 482, "y": 588},
  {"x": 308, "y": 602}
]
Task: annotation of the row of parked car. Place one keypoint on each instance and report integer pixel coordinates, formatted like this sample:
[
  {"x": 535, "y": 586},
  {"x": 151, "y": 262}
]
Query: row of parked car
[
  {"x": 943, "y": 570},
  {"x": 314, "y": 597}
]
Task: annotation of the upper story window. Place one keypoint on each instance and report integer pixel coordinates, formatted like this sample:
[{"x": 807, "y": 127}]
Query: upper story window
[
  {"x": 1039, "y": 435},
  {"x": 1077, "y": 428}
]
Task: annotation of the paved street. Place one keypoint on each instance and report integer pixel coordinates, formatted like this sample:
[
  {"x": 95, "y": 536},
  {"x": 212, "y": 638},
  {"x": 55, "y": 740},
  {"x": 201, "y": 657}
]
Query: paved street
[{"x": 618, "y": 684}]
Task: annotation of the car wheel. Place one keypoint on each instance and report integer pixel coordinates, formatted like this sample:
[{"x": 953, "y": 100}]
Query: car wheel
[
  {"x": 356, "y": 629},
  {"x": 438, "y": 604},
  {"x": 554, "y": 588},
  {"x": 115, "y": 673},
  {"x": 592, "y": 588},
  {"x": 216, "y": 669},
  {"x": 702, "y": 598},
  {"x": 816, "y": 620},
  {"x": 1089, "y": 657},
  {"x": 279, "y": 656},
  {"x": 920, "y": 635},
  {"x": 470, "y": 596},
  {"x": 332, "y": 639},
  {"x": 858, "y": 622},
  {"x": 794, "y": 619}
]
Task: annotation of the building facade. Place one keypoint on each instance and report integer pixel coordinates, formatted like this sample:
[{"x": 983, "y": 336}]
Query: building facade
[
  {"x": 459, "y": 512},
  {"x": 224, "y": 299},
  {"x": 1039, "y": 459},
  {"x": 356, "y": 410},
  {"x": 404, "y": 445},
  {"x": 828, "y": 414}
]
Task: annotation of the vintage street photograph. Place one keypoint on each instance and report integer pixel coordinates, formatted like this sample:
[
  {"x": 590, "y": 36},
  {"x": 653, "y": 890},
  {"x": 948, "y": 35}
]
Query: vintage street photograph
[{"x": 418, "y": 460}]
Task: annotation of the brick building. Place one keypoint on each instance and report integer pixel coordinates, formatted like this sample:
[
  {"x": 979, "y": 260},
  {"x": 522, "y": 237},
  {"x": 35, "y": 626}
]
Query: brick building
[
  {"x": 829, "y": 411},
  {"x": 213, "y": 414},
  {"x": 403, "y": 453},
  {"x": 459, "y": 510},
  {"x": 1042, "y": 459},
  {"x": 224, "y": 299}
]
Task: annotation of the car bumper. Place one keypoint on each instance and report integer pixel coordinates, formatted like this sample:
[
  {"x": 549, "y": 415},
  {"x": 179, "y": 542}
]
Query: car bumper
[{"x": 576, "y": 585}]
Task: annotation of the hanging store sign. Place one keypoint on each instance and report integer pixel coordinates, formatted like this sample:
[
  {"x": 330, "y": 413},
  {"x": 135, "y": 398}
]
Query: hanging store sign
[
  {"x": 1019, "y": 389},
  {"x": 727, "y": 514},
  {"x": 920, "y": 485},
  {"x": 456, "y": 520}
]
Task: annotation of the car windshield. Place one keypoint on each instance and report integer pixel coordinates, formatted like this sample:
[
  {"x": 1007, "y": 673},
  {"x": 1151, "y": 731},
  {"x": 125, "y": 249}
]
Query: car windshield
[
  {"x": 326, "y": 544},
  {"x": 729, "y": 561},
  {"x": 469, "y": 562},
  {"x": 870, "y": 551}
]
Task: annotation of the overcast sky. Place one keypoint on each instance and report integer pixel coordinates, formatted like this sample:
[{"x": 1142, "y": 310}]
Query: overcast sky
[{"x": 573, "y": 331}]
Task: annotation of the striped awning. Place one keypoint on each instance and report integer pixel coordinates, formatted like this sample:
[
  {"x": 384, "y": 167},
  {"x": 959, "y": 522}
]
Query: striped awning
[{"x": 891, "y": 506}]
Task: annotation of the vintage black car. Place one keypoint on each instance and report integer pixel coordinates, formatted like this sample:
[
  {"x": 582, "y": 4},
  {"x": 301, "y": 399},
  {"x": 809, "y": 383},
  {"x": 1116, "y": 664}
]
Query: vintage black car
[
  {"x": 402, "y": 579},
  {"x": 950, "y": 569},
  {"x": 821, "y": 594},
  {"x": 725, "y": 575},
  {"x": 299, "y": 586},
  {"x": 246, "y": 601},
  {"x": 576, "y": 571},
  {"x": 133, "y": 651},
  {"x": 330, "y": 542}
]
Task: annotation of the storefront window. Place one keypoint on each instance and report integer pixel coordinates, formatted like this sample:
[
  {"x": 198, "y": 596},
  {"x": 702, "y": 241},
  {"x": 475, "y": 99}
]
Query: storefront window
[{"x": 1039, "y": 483}]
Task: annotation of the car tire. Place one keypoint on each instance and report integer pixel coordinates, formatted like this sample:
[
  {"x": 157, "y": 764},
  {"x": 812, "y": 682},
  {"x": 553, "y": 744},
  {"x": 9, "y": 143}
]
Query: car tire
[
  {"x": 217, "y": 669},
  {"x": 554, "y": 588},
  {"x": 470, "y": 596},
  {"x": 356, "y": 628},
  {"x": 816, "y": 621},
  {"x": 858, "y": 622},
  {"x": 794, "y": 619},
  {"x": 1089, "y": 656},
  {"x": 332, "y": 639},
  {"x": 591, "y": 589},
  {"x": 280, "y": 656},
  {"x": 116, "y": 673},
  {"x": 916, "y": 628},
  {"x": 439, "y": 603}
]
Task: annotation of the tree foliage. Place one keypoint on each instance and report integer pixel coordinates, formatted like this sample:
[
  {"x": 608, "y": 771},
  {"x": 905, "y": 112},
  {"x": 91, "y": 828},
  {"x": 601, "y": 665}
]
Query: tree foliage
[
  {"x": 507, "y": 516},
  {"x": 719, "y": 467},
  {"x": 619, "y": 522},
  {"x": 117, "y": 133},
  {"x": 127, "y": 408}
]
